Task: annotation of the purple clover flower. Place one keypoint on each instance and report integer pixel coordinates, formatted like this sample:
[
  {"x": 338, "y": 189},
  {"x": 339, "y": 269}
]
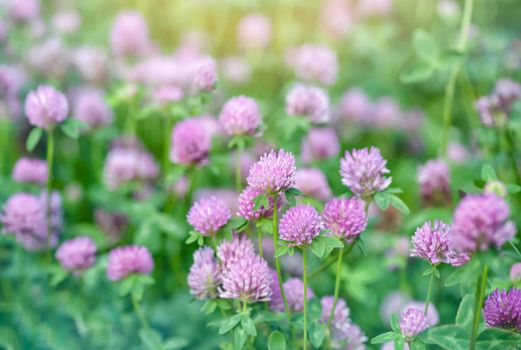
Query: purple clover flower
[
  {"x": 412, "y": 323},
  {"x": 77, "y": 255},
  {"x": 300, "y": 225},
  {"x": 345, "y": 217},
  {"x": 240, "y": 116},
  {"x": 124, "y": 261},
  {"x": 248, "y": 279},
  {"x": 46, "y": 107},
  {"x": 503, "y": 309},
  {"x": 273, "y": 173},
  {"x": 481, "y": 221},
  {"x": 363, "y": 171},
  {"x": 205, "y": 274},
  {"x": 208, "y": 215}
]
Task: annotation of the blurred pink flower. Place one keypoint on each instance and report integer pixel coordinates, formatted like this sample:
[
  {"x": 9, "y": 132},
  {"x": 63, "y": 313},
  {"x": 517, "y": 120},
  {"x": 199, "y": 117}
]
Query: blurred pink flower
[
  {"x": 191, "y": 142},
  {"x": 254, "y": 31},
  {"x": 209, "y": 215},
  {"x": 240, "y": 116},
  {"x": 90, "y": 107},
  {"x": 124, "y": 261},
  {"x": 23, "y": 10},
  {"x": 129, "y": 35},
  {"x": 314, "y": 63},
  {"x": 319, "y": 144},
  {"x": 30, "y": 170},
  {"x": 77, "y": 255},
  {"x": 312, "y": 183},
  {"x": 308, "y": 101},
  {"x": 46, "y": 107}
]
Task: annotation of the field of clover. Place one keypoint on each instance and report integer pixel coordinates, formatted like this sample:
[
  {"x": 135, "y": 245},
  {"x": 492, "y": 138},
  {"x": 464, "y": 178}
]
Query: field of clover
[{"x": 275, "y": 174}]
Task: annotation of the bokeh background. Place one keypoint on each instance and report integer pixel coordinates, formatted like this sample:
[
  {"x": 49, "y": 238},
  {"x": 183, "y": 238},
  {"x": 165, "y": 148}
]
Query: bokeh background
[{"x": 373, "y": 40}]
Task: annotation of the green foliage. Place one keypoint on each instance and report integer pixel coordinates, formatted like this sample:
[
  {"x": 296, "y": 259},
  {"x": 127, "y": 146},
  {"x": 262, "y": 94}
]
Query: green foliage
[
  {"x": 276, "y": 341},
  {"x": 72, "y": 127},
  {"x": 32, "y": 140}
]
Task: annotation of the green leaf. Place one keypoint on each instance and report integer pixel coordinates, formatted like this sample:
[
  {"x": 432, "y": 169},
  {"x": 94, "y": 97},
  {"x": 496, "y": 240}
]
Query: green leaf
[
  {"x": 281, "y": 250},
  {"x": 466, "y": 312},
  {"x": 175, "y": 343},
  {"x": 193, "y": 236},
  {"x": 248, "y": 325},
  {"x": 450, "y": 58},
  {"x": 126, "y": 286},
  {"x": 318, "y": 248},
  {"x": 435, "y": 272},
  {"x": 261, "y": 201},
  {"x": 498, "y": 339},
  {"x": 239, "y": 338},
  {"x": 417, "y": 345},
  {"x": 425, "y": 46},
  {"x": 394, "y": 323},
  {"x": 513, "y": 189},
  {"x": 58, "y": 275},
  {"x": 331, "y": 242},
  {"x": 293, "y": 192},
  {"x": 398, "y": 343},
  {"x": 399, "y": 204},
  {"x": 427, "y": 271},
  {"x": 317, "y": 333},
  {"x": 417, "y": 73},
  {"x": 276, "y": 341},
  {"x": 151, "y": 338},
  {"x": 238, "y": 142},
  {"x": 238, "y": 223},
  {"x": 34, "y": 137},
  {"x": 229, "y": 324},
  {"x": 314, "y": 309},
  {"x": 488, "y": 173},
  {"x": 72, "y": 127},
  {"x": 454, "y": 278},
  {"x": 449, "y": 337},
  {"x": 384, "y": 338},
  {"x": 382, "y": 200},
  {"x": 209, "y": 307}
]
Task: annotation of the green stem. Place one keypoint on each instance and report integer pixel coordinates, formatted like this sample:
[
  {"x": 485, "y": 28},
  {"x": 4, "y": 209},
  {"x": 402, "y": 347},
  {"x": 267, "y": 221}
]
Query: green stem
[
  {"x": 305, "y": 259},
  {"x": 480, "y": 294},
  {"x": 324, "y": 267},
  {"x": 512, "y": 153},
  {"x": 515, "y": 248},
  {"x": 429, "y": 291},
  {"x": 277, "y": 262},
  {"x": 50, "y": 156},
  {"x": 337, "y": 287},
  {"x": 191, "y": 186},
  {"x": 238, "y": 179},
  {"x": 139, "y": 312},
  {"x": 451, "y": 84},
  {"x": 259, "y": 236},
  {"x": 166, "y": 144}
]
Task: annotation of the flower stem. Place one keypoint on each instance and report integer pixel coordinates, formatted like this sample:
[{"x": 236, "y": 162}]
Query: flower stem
[
  {"x": 329, "y": 263},
  {"x": 139, "y": 312},
  {"x": 337, "y": 287},
  {"x": 166, "y": 144},
  {"x": 238, "y": 179},
  {"x": 305, "y": 260},
  {"x": 451, "y": 83},
  {"x": 511, "y": 150},
  {"x": 277, "y": 262},
  {"x": 480, "y": 294},
  {"x": 50, "y": 157},
  {"x": 429, "y": 291},
  {"x": 259, "y": 236}
]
